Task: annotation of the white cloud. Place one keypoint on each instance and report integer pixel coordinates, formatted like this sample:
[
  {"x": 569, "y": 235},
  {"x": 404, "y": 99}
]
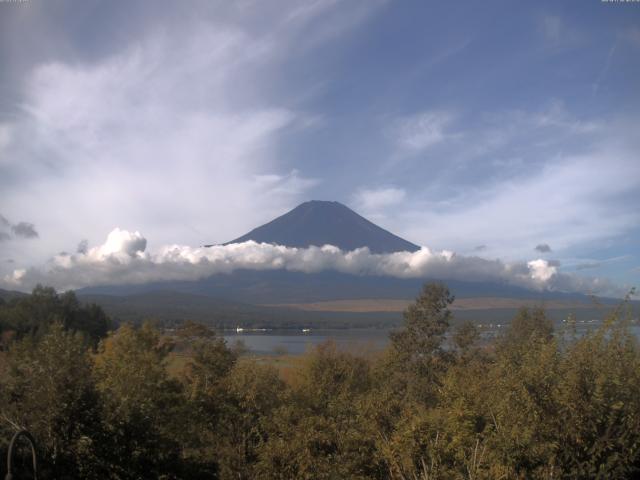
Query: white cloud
[
  {"x": 556, "y": 116},
  {"x": 551, "y": 27},
  {"x": 572, "y": 184},
  {"x": 421, "y": 131},
  {"x": 123, "y": 259},
  {"x": 122, "y": 242},
  {"x": 567, "y": 203},
  {"x": 605, "y": 68},
  {"x": 304, "y": 12},
  {"x": 183, "y": 129},
  {"x": 161, "y": 134},
  {"x": 291, "y": 184},
  {"x": 174, "y": 129},
  {"x": 557, "y": 34},
  {"x": 524, "y": 133},
  {"x": 541, "y": 270},
  {"x": 375, "y": 199}
]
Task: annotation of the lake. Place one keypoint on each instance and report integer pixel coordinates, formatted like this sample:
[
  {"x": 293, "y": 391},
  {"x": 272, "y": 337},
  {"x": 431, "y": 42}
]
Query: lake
[{"x": 296, "y": 342}]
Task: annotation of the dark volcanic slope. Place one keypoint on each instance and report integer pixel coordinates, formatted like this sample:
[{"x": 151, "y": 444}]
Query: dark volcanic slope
[{"x": 320, "y": 223}]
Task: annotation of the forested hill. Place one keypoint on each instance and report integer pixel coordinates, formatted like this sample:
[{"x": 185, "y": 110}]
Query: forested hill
[{"x": 9, "y": 294}]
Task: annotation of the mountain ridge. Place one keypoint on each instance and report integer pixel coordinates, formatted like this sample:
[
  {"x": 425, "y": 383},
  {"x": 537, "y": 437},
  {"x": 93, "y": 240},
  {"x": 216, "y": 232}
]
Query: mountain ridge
[{"x": 270, "y": 295}]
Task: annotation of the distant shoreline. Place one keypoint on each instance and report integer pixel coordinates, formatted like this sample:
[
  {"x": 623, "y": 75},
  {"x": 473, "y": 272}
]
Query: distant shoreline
[{"x": 371, "y": 305}]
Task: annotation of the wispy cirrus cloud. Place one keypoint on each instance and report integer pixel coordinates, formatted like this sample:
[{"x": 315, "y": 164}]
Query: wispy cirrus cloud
[
  {"x": 580, "y": 264},
  {"x": 418, "y": 132},
  {"x": 567, "y": 186},
  {"x": 198, "y": 123},
  {"x": 292, "y": 184},
  {"x": 557, "y": 33},
  {"x": 167, "y": 129},
  {"x": 372, "y": 200},
  {"x": 576, "y": 196}
]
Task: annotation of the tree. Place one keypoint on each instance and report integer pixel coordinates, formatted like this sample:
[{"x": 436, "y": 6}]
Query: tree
[
  {"x": 140, "y": 404},
  {"x": 47, "y": 389},
  {"x": 211, "y": 360},
  {"x": 34, "y": 314},
  {"x": 321, "y": 431},
  {"x": 465, "y": 337},
  {"x": 599, "y": 404},
  {"x": 207, "y": 400},
  {"x": 254, "y": 392},
  {"x": 529, "y": 325},
  {"x": 417, "y": 358}
]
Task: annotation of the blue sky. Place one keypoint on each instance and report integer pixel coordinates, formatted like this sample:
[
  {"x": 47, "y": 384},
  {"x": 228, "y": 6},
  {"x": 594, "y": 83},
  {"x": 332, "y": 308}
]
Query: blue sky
[{"x": 485, "y": 128}]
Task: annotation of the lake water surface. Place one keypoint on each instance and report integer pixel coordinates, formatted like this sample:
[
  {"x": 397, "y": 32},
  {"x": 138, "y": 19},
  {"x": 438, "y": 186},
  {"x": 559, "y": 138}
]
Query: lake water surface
[{"x": 296, "y": 342}]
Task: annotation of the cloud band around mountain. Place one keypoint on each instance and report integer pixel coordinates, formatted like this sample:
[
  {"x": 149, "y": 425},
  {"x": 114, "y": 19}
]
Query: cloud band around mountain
[{"x": 124, "y": 259}]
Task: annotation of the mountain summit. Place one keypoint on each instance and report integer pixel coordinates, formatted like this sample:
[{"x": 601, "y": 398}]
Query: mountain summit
[{"x": 320, "y": 222}]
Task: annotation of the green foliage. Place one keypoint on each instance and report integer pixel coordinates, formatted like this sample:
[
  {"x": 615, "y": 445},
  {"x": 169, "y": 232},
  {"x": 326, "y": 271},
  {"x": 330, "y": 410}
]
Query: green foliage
[
  {"x": 321, "y": 431},
  {"x": 598, "y": 402},
  {"x": 437, "y": 404},
  {"x": 206, "y": 402},
  {"x": 46, "y": 388},
  {"x": 191, "y": 329},
  {"x": 139, "y": 403},
  {"x": 466, "y": 336},
  {"x": 254, "y": 392},
  {"x": 210, "y": 363},
  {"x": 426, "y": 322},
  {"x": 417, "y": 359},
  {"x": 35, "y": 313},
  {"x": 528, "y": 326}
]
